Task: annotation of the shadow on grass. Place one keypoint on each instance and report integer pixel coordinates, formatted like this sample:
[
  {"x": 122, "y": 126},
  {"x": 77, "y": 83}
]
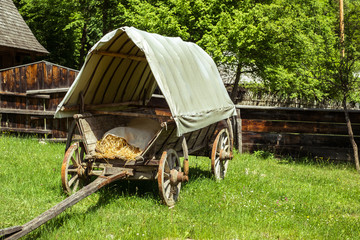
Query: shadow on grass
[
  {"x": 52, "y": 225},
  {"x": 303, "y": 160},
  {"x": 141, "y": 189},
  {"x": 118, "y": 189}
]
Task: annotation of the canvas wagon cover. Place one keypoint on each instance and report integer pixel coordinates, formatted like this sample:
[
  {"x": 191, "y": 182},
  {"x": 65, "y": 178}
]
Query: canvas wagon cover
[{"x": 127, "y": 64}]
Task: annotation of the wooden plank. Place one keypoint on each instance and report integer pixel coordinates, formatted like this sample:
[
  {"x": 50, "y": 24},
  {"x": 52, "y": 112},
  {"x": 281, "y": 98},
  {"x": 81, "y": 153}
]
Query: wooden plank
[
  {"x": 63, "y": 77},
  {"x": 300, "y": 116},
  {"x": 26, "y": 112},
  {"x": 49, "y": 76},
  {"x": 10, "y": 230},
  {"x": 24, "y": 130},
  {"x": 23, "y": 79},
  {"x": 239, "y": 130},
  {"x": 55, "y": 77},
  {"x": 54, "y": 101},
  {"x": 1, "y": 81},
  {"x": 47, "y": 91},
  {"x": 17, "y": 80},
  {"x": 128, "y": 114},
  {"x": 296, "y": 127},
  {"x": 298, "y": 139},
  {"x": 40, "y": 75},
  {"x": 17, "y": 94},
  {"x": 31, "y": 80},
  {"x": 160, "y": 143}
]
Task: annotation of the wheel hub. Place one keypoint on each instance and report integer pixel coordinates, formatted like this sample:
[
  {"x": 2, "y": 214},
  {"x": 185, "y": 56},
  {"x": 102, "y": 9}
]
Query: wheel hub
[
  {"x": 80, "y": 171},
  {"x": 176, "y": 177},
  {"x": 224, "y": 155}
]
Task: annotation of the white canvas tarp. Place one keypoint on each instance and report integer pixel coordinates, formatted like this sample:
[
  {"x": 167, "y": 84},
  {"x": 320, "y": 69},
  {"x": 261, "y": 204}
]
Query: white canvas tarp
[{"x": 127, "y": 64}]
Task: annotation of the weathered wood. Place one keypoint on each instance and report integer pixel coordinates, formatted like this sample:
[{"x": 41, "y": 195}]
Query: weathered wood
[
  {"x": 25, "y": 130},
  {"x": 330, "y": 116},
  {"x": 315, "y": 140},
  {"x": 296, "y": 127},
  {"x": 27, "y": 112},
  {"x": 127, "y": 114},
  {"x": 99, "y": 106},
  {"x": 299, "y": 132},
  {"x": 10, "y": 230},
  {"x": 68, "y": 202},
  {"x": 35, "y": 78},
  {"x": 239, "y": 131},
  {"x": 46, "y": 91}
]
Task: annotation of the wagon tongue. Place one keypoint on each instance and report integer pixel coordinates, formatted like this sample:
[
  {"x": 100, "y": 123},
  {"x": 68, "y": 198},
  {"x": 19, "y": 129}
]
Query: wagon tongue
[{"x": 19, "y": 231}]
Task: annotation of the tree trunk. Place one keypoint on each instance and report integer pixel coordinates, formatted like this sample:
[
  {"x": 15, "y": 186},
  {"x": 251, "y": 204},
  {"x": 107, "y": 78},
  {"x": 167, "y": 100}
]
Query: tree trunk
[
  {"x": 234, "y": 91},
  {"x": 83, "y": 44},
  {"x": 351, "y": 136},
  {"x": 105, "y": 10}
]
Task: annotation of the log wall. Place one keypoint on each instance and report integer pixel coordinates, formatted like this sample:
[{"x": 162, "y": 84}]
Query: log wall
[
  {"x": 318, "y": 133},
  {"x": 29, "y": 95}
]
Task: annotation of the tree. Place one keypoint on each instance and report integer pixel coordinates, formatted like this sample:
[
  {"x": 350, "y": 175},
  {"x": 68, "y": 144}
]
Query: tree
[
  {"x": 48, "y": 20},
  {"x": 341, "y": 67},
  {"x": 270, "y": 41}
]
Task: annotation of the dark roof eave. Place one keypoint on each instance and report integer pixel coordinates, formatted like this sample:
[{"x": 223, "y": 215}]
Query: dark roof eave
[{"x": 28, "y": 51}]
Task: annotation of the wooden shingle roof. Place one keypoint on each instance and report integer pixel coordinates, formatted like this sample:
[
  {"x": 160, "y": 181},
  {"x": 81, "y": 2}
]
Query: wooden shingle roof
[{"x": 14, "y": 32}]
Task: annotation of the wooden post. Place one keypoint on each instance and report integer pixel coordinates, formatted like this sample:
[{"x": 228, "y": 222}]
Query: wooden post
[
  {"x": 239, "y": 130},
  {"x": 342, "y": 35}
]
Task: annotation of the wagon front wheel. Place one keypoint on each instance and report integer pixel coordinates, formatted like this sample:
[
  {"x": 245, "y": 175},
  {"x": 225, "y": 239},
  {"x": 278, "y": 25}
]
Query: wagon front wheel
[
  {"x": 73, "y": 170},
  {"x": 169, "y": 177},
  {"x": 221, "y": 154}
]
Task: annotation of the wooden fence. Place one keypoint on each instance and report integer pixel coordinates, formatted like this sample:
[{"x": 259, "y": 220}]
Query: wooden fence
[
  {"x": 318, "y": 133},
  {"x": 29, "y": 95}
]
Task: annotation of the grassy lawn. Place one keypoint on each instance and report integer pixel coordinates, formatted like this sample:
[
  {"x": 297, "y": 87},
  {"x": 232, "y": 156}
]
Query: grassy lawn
[{"x": 261, "y": 198}]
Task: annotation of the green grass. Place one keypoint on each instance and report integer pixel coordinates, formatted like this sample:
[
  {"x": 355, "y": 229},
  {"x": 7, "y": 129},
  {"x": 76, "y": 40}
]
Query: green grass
[{"x": 261, "y": 198}]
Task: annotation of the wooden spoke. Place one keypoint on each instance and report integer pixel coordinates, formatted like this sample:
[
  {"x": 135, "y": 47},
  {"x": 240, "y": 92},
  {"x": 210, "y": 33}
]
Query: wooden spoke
[
  {"x": 73, "y": 171},
  {"x": 169, "y": 188},
  {"x": 221, "y": 146},
  {"x": 74, "y": 178},
  {"x": 75, "y": 164}
]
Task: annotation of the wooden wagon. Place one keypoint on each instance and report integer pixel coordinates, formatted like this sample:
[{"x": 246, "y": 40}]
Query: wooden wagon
[
  {"x": 161, "y": 94},
  {"x": 115, "y": 90}
]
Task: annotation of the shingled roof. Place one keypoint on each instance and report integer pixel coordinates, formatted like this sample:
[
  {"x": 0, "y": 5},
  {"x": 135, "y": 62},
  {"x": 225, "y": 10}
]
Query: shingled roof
[{"x": 14, "y": 32}]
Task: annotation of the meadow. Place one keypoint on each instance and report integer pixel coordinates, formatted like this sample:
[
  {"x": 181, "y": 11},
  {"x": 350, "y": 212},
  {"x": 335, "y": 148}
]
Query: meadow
[{"x": 262, "y": 197}]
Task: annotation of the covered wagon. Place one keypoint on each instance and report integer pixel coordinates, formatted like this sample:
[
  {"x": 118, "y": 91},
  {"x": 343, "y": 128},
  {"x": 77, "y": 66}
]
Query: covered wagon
[{"x": 159, "y": 97}]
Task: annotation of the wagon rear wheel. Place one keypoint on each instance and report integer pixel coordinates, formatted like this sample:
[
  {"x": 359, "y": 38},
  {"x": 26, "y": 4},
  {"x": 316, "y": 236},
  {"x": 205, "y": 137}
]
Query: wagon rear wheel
[
  {"x": 73, "y": 170},
  {"x": 169, "y": 175},
  {"x": 220, "y": 155}
]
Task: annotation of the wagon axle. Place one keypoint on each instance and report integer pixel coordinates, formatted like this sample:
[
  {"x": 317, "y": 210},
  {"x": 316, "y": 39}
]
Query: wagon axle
[{"x": 176, "y": 177}]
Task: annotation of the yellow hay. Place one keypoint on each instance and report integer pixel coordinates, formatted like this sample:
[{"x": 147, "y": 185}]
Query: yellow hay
[{"x": 116, "y": 147}]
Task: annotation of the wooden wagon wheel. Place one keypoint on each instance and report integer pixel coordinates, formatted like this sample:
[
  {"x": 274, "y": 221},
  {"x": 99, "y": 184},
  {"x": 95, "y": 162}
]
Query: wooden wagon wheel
[
  {"x": 73, "y": 172},
  {"x": 169, "y": 177},
  {"x": 220, "y": 155}
]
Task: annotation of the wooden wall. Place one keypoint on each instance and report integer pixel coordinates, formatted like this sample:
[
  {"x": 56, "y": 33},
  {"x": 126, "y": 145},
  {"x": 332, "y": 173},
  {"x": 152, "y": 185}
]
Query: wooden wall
[
  {"x": 299, "y": 132},
  {"x": 29, "y": 95}
]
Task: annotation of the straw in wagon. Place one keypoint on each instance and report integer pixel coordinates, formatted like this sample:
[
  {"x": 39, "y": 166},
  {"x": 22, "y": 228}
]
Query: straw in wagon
[
  {"x": 127, "y": 142},
  {"x": 111, "y": 146}
]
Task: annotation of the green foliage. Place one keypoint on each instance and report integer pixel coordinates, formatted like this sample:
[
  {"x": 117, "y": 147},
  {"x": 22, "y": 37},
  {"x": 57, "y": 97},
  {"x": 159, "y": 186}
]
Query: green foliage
[
  {"x": 261, "y": 198},
  {"x": 292, "y": 46}
]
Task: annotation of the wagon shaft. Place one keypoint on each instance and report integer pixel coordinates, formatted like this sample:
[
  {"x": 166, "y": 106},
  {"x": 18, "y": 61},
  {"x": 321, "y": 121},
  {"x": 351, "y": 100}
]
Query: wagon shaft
[{"x": 19, "y": 231}]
